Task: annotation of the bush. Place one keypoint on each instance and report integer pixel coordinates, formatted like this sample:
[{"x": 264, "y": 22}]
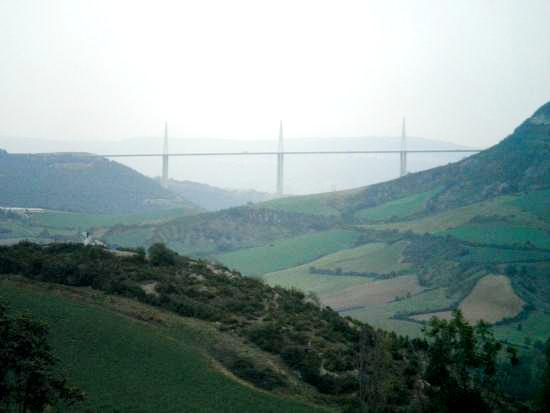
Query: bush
[{"x": 160, "y": 255}]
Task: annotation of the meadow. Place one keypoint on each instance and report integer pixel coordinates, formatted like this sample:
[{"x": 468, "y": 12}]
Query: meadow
[
  {"x": 373, "y": 257},
  {"x": 289, "y": 252},
  {"x": 501, "y": 233},
  {"x": 400, "y": 208}
]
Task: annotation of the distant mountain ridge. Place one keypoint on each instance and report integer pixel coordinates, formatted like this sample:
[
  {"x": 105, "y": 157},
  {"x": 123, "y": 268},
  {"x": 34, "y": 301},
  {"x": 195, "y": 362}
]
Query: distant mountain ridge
[{"x": 79, "y": 183}]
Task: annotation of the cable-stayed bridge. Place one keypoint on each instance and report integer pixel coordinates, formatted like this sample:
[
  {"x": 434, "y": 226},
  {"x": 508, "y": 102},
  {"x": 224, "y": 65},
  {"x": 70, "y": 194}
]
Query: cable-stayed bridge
[
  {"x": 403, "y": 153},
  {"x": 280, "y": 155}
]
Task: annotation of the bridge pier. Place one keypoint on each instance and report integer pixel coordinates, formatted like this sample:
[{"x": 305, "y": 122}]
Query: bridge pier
[
  {"x": 280, "y": 163},
  {"x": 403, "y": 153},
  {"x": 164, "y": 179}
]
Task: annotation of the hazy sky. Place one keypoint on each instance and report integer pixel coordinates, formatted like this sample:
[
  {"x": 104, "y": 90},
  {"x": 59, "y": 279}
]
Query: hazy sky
[{"x": 466, "y": 71}]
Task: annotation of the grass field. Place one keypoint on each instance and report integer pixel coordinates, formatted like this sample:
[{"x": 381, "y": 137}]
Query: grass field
[
  {"x": 491, "y": 300},
  {"x": 125, "y": 365},
  {"x": 300, "y": 278},
  {"x": 537, "y": 203},
  {"x": 535, "y": 327},
  {"x": 381, "y": 315},
  {"x": 373, "y": 293},
  {"x": 399, "y": 208},
  {"x": 288, "y": 252},
  {"x": 317, "y": 204},
  {"x": 502, "y": 255},
  {"x": 503, "y": 206},
  {"x": 374, "y": 257},
  {"x": 501, "y": 233}
]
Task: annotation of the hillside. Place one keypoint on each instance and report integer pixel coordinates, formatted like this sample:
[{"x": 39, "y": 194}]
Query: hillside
[
  {"x": 221, "y": 231},
  {"x": 458, "y": 226},
  {"x": 517, "y": 164},
  {"x": 79, "y": 183},
  {"x": 275, "y": 339},
  {"x": 395, "y": 253},
  {"x": 212, "y": 198},
  {"x": 133, "y": 357}
]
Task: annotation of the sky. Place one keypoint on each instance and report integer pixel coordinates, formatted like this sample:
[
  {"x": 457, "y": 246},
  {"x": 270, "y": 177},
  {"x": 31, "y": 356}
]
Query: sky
[{"x": 465, "y": 71}]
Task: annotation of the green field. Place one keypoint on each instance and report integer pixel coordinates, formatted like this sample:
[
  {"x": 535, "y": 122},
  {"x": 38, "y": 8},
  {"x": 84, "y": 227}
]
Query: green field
[
  {"x": 381, "y": 315},
  {"x": 501, "y": 233},
  {"x": 286, "y": 253},
  {"x": 503, "y": 206},
  {"x": 302, "y": 279},
  {"x": 399, "y": 208},
  {"x": 317, "y": 204},
  {"x": 537, "y": 203},
  {"x": 126, "y": 365},
  {"x": 374, "y": 257},
  {"x": 503, "y": 255},
  {"x": 535, "y": 327}
]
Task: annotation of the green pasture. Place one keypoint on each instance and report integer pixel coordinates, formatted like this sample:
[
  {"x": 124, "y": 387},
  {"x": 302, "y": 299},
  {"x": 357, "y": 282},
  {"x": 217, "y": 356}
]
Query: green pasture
[
  {"x": 400, "y": 208},
  {"x": 289, "y": 252},
  {"x": 374, "y": 257}
]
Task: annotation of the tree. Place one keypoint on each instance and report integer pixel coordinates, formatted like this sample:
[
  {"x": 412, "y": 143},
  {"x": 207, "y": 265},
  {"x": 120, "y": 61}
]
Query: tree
[
  {"x": 159, "y": 254},
  {"x": 29, "y": 381},
  {"x": 462, "y": 363}
]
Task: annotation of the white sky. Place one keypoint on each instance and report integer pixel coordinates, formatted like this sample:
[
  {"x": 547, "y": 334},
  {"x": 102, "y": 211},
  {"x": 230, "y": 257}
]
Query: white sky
[{"x": 466, "y": 71}]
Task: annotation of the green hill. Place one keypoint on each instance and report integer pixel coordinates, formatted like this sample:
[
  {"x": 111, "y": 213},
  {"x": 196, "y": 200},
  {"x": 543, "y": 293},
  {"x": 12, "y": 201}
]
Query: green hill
[
  {"x": 518, "y": 164},
  {"x": 80, "y": 183},
  {"x": 447, "y": 228},
  {"x": 278, "y": 340},
  {"x": 132, "y": 357}
]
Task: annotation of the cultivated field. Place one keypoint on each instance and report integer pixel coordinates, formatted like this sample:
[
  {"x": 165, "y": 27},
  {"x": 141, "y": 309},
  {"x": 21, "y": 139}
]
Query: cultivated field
[
  {"x": 399, "y": 208},
  {"x": 374, "y": 257},
  {"x": 491, "y": 300},
  {"x": 373, "y": 293},
  {"x": 301, "y": 279},
  {"x": 286, "y": 253}
]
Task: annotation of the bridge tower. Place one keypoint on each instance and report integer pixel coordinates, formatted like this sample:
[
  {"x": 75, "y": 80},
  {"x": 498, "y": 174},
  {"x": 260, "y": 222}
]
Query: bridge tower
[
  {"x": 280, "y": 162},
  {"x": 403, "y": 153},
  {"x": 164, "y": 181}
]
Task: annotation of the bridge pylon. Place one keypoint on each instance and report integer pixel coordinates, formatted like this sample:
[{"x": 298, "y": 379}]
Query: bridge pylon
[
  {"x": 164, "y": 180},
  {"x": 280, "y": 162},
  {"x": 403, "y": 153}
]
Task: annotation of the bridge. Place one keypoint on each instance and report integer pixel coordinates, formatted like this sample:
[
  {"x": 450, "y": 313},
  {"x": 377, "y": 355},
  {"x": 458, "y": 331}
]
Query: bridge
[{"x": 281, "y": 153}]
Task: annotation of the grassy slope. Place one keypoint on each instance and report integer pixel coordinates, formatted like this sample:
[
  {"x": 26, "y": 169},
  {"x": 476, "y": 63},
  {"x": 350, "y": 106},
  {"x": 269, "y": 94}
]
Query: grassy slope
[
  {"x": 400, "y": 208},
  {"x": 500, "y": 233},
  {"x": 507, "y": 207},
  {"x": 373, "y": 257},
  {"x": 288, "y": 252},
  {"x": 300, "y": 278},
  {"x": 132, "y": 366}
]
